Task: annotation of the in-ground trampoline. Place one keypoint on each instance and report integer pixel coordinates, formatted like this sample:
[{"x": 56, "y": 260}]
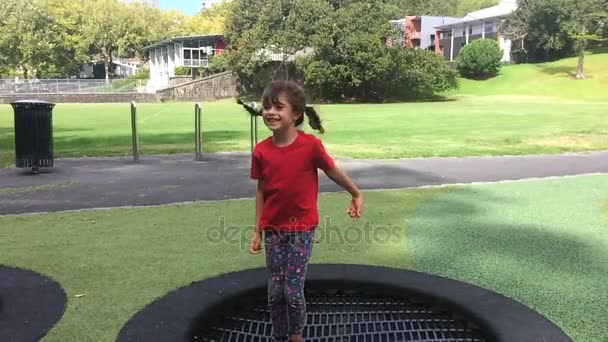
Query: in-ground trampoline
[
  {"x": 30, "y": 304},
  {"x": 344, "y": 303}
]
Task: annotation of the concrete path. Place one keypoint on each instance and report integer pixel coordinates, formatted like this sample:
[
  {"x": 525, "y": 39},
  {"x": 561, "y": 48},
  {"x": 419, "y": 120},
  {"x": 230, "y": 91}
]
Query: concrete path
[{"x": 113, "y": 182}]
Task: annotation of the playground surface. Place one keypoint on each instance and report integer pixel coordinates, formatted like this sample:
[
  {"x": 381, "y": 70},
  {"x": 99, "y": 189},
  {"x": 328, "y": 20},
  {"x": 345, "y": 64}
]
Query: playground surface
[{"x": 85, "y": 183}]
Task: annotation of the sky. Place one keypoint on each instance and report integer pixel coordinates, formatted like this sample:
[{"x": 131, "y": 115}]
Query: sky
[{"x": 186, "y": 6}]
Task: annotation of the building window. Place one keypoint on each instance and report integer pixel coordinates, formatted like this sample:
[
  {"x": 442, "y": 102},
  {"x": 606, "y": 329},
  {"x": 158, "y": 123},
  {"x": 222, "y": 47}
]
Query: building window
[
  {"x": 195, "y": 57},
  {"x": 470, "y": 29},
  {"x": 489, "y": 27}
]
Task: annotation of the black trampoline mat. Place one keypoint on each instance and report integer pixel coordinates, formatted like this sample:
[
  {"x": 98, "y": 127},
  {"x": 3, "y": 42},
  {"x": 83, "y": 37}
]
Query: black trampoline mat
[{"x": 355, "y": 315}]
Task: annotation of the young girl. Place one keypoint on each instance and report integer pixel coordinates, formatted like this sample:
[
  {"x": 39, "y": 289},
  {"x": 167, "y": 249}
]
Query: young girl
[{"x": 285, "y": 166}]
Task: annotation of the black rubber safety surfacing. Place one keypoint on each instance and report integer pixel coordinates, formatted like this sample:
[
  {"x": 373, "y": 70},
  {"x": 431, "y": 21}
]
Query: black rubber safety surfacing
[
  {"x": 30, "y": 304},
  {"x": 345, "y": 303}
]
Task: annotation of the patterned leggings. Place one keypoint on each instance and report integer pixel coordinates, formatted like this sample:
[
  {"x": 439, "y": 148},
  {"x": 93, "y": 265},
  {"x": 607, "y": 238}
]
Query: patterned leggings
[{"x": 287, "y": 256}]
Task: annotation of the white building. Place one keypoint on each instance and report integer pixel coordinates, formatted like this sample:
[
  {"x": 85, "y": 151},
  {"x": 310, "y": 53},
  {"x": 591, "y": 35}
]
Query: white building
[
  {"x": 480, "y": 24},
  {"x": 190, "y": 51}
]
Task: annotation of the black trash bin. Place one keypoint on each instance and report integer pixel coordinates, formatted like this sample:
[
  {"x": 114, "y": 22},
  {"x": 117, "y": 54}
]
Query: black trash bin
[{"x": 33, "y": 134}]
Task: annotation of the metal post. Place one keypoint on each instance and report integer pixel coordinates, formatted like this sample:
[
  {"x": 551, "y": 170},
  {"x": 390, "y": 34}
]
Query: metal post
[
  {"x": 198, "y": 142},
  {"x": 452, "y": 46},
  {"x": 134, "y": 131}
]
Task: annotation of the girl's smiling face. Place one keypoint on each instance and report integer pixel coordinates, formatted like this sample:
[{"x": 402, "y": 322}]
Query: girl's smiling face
[{"x": 280, "y": 116}]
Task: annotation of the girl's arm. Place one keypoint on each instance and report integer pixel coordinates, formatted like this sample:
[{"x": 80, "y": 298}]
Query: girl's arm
[
  {"x": 339, "y": 177},
  {"x": 259, "y": 204},
  {"x": 255, "y": 246}
]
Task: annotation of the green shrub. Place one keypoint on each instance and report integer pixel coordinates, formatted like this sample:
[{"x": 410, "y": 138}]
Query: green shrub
[
  {"x": 391, "y": 74},
  {"x": 481, "y": 59},
  {"x": 183, "y": 71},
  {"x": 218, "y": 63},
  {"x": 419, "y": 74}
]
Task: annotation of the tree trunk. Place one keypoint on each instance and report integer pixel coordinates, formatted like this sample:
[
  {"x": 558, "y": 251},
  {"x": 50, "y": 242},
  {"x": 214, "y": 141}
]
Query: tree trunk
[
  {"x": 286, "y": 69},
  {"x": 107, "y": 56},
  {"x": 107, "y": 69},
  {"x": 580, "y": 75}
]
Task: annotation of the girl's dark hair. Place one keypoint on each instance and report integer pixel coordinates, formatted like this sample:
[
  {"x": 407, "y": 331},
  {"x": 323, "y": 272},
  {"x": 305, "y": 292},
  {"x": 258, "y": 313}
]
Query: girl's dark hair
[{"x": 296, "y": 98}]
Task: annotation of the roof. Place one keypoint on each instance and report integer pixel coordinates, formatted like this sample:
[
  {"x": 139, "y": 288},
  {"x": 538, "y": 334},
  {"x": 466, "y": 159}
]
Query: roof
[
  {"x": 182, "y": 39},
  {"x": 504, "y": 8},
  {"x": 420, "y": 17}
]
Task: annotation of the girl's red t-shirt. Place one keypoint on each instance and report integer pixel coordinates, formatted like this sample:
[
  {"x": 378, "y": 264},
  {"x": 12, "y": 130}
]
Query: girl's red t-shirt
[{"x": 290, "y": 181}]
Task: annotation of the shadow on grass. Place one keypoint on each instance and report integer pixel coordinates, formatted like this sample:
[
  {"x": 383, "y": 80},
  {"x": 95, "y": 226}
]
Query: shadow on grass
[
  {"x": 74, "y": 146},
  {"x": 461, "y": 235},
  {"x": 552, "y": 271},
  {"x": 558, "y": 70},
  {"x": 421, "y": 99},
  {"x": 154, "y": 143}
]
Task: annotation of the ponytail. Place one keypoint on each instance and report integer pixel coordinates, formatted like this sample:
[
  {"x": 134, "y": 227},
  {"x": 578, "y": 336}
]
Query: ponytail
[
  {"x": 251, "y": 108},
  {"x": 314, "y": 119}
]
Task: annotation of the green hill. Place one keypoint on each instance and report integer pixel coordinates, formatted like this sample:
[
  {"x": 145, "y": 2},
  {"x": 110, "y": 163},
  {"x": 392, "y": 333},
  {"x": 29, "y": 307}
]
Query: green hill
[{"x": 554, "y": 79}]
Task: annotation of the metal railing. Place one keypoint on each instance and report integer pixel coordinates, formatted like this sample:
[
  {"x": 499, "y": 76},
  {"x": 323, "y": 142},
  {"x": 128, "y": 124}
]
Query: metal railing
[
  {"x": 55, "y": 86},
  {"x": 196, "y": 63}
]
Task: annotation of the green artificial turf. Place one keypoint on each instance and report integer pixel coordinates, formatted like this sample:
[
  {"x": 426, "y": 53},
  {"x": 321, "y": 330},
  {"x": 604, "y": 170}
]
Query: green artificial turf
[
  {"x": 480, "y": 125},
  {"x": 543, "y": 242}
]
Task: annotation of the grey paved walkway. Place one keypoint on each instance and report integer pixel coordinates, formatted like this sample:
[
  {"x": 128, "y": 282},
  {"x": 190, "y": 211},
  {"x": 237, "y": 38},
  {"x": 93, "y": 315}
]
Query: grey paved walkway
[{"x": 111, "y": 182}]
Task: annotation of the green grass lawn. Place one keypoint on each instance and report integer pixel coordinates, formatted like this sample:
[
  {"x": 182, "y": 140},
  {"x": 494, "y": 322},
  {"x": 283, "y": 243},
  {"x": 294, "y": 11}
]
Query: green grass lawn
[
  {"x": 553, "y": 80},
  {"x": 481, "y": 125},
  {"x": 543, "y": 243}
]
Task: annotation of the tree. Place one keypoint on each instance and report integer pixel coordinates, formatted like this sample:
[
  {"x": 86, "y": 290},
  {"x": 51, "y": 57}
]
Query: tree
[
  {"x": 549, "y": 29},
  {"x": 586, "y": 27},
  {"x": 454, "y": 8},
  {"x": 346, "y": 55},
  {"x": 418, "y": 74},
  {"x": 480, "y": 59},
  {"x": 41, "y": 37},
  {"x": 537, "y": 29},
  {"x": 245, "y": 37},
  {"x": 208, "y": 21},
  {"x": 466, "y": 6},
  {"x": 104, "y": 29},
  {"x": 351, "y": 58},
  {"x": 118, "y": 29},
  {"x": 13, "y": 19},
  {"x": 68, "y": 50}
]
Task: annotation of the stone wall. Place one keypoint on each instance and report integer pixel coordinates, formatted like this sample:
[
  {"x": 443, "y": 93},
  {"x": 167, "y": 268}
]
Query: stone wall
[
  {"x": 179, "y": 80},
  {"x": 222, "y": 85},
  {"x": 82, "y": 98}
]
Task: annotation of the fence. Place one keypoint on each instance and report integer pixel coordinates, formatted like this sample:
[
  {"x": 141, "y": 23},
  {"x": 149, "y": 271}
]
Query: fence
[{"x": 58, "y": 86}]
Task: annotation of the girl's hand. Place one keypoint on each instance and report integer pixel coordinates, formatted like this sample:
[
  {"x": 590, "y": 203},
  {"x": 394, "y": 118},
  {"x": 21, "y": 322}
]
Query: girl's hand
[
  {"x": 256, "y": 242},
  {"x": 356, "y": 207}
]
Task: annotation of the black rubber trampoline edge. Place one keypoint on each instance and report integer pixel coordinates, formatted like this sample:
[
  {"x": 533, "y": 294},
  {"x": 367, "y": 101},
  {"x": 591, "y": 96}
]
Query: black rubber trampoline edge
[
  {"x": 31, "y": 304},
  {"x": 172, "y": 317}
]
